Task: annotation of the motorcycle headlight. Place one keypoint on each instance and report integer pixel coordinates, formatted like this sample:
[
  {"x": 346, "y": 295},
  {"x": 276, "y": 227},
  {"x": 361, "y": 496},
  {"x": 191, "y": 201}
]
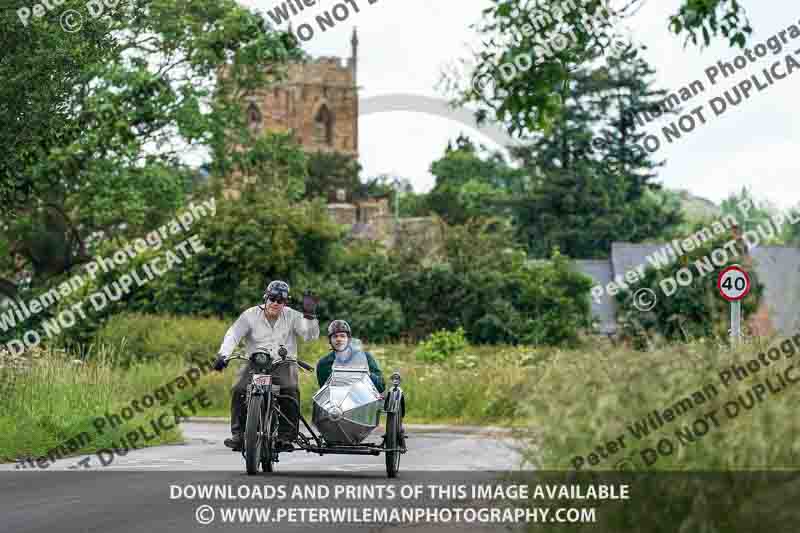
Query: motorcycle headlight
[
  {"x": 261, "y": 358},
  {"x": 396, "y": 379}
]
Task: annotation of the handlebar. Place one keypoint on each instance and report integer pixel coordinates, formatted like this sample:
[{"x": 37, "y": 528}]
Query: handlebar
[{"x": 301, "y": 364}]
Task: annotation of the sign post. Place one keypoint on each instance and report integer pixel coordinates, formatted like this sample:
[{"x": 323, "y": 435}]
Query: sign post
[
  {"x": 734, "y": 284},
  {"x": 736, "y": 322}
]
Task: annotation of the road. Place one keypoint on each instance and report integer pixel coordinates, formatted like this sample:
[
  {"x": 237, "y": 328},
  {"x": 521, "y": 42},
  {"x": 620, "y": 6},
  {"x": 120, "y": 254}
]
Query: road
[{"x": 138, "y": 492}]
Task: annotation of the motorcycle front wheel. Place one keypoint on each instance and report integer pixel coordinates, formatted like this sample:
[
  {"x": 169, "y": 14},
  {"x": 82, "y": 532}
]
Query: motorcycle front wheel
[
  {"x": 267, "y": 422},
  {"x": 253, "y": 440}
]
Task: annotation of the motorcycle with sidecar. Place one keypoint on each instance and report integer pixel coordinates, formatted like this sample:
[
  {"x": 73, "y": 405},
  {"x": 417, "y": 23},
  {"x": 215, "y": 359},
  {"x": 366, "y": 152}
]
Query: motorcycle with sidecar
[{"x": 346, "y": 410}]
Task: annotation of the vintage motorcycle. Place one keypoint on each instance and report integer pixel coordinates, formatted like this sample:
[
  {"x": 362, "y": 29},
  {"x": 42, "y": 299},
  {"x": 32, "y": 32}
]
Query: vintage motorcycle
[{"x": 345, "y": 411}]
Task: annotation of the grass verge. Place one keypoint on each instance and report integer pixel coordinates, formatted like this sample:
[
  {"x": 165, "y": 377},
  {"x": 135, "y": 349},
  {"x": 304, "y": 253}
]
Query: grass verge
[
  {"x": 57, "y": 408},
  {"x": 56, "y": 400},
  {"x": 679, "y": 408}
]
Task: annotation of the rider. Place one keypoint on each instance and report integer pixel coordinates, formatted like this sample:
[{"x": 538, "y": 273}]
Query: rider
[
  {"x": 339, "y": 337},
  {"x": 266, "y": 328}
]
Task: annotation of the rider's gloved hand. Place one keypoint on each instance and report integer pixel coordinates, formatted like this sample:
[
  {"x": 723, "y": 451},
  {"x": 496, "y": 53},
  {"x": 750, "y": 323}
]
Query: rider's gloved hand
[
  {"x": 309, "y": 305},
  {"x": 220, "y": 364}
]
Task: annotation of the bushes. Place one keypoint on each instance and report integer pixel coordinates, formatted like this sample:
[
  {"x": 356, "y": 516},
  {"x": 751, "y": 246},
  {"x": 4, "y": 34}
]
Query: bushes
[
  {"x": 539, "y": 303},
  {"x": 378, "y": 318},
  {"x": 247, "y": 243},
  {"x": 478, "y": 283},
  {"x": 441, "y": 345},
  {"x": 490, "y": 290},
  {"x": 162, "y": 338}
]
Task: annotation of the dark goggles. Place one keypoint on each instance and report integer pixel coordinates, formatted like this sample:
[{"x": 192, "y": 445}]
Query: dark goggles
[{"x": 277, "y": 298}]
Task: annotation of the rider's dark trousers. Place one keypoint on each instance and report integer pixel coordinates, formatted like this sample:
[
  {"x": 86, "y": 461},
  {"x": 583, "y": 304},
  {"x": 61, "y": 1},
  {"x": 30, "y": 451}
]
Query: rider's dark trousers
[{"x": 286, "y": 377}]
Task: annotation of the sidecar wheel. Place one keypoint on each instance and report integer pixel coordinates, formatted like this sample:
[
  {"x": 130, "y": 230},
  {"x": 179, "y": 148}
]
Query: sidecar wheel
[{"x": 392, "y": 442}]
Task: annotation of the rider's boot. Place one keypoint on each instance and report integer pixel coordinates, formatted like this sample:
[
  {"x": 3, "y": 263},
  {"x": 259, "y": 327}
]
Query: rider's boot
[
  {"x": 236, "y": 443},
  {"x": 238, "y": 411}
]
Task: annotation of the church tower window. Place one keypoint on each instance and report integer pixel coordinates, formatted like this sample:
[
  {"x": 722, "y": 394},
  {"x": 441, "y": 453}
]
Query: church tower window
[{"x": 323, "y": 126}]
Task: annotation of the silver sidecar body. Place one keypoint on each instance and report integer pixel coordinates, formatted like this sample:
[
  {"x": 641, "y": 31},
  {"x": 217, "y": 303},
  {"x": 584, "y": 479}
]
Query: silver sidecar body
[{"x": 347, "y": 408}]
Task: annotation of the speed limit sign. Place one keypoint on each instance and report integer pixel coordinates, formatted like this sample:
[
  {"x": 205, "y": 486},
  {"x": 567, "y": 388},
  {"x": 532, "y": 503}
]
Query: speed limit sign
[{"x": 734, "y": 284}]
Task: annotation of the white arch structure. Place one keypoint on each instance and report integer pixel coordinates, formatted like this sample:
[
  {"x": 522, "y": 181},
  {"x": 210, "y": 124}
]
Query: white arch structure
[{"x": 432, "y": 106}]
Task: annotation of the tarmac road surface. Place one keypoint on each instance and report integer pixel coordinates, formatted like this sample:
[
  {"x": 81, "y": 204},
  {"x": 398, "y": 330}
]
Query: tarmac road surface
[{"x": 141, "y": 491}]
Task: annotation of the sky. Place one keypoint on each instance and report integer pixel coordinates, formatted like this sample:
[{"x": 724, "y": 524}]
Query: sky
[{"x": 405, "y": 46}]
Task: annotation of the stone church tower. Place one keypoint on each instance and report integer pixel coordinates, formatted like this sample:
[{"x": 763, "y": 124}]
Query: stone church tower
[{"x": 318, "y": 101}]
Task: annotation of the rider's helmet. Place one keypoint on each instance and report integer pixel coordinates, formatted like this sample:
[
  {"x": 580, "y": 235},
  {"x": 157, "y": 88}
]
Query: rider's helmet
[
  {"x": 277, "y": 289},
  {"x": 339, "y": 326}
]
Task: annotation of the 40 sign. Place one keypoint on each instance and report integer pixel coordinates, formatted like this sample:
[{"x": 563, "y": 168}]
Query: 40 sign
[{"x": 734, "y": 284}]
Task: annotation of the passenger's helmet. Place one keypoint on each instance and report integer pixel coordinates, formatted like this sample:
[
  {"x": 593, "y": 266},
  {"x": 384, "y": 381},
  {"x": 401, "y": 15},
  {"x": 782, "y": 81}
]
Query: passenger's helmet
[
  {"x": 277, "y": 289},
  {"x": 339, "y": 326}
]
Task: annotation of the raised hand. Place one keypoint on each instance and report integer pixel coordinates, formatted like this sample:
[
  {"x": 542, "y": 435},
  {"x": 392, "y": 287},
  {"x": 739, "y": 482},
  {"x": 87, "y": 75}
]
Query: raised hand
[{"x": 310, "y": 302}]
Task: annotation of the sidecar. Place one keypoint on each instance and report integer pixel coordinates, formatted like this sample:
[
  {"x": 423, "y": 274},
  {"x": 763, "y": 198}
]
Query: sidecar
[
  {"x": 348, "y": 407},
  {"x": 346, "y": 410}
]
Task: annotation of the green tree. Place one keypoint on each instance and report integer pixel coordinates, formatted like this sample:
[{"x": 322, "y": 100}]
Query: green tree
[
  {"x": 529, "y": 99},
  {"x": 471, "y": 184},
  {"x": 329, "y": 171},
  {"x": 487, "y": 285},
  {"x": 383, "y": 185},
  {"x": 592, "y": 185},
  {"x": 41, "y": 66},
  {"x": 711, "y": 18},
  {"x": 103, "y": 117},
  {"x": 274, "y": 162},
  {"x": 249, "y": 242},
  {"x": 760, "y": 214},
  {"x": 414, "y": 205},
  {"x": 792, "y": 232}
]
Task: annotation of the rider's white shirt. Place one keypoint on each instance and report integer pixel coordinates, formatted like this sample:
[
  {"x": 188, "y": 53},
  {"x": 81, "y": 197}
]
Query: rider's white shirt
[{"x": 260, "y": 336}]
